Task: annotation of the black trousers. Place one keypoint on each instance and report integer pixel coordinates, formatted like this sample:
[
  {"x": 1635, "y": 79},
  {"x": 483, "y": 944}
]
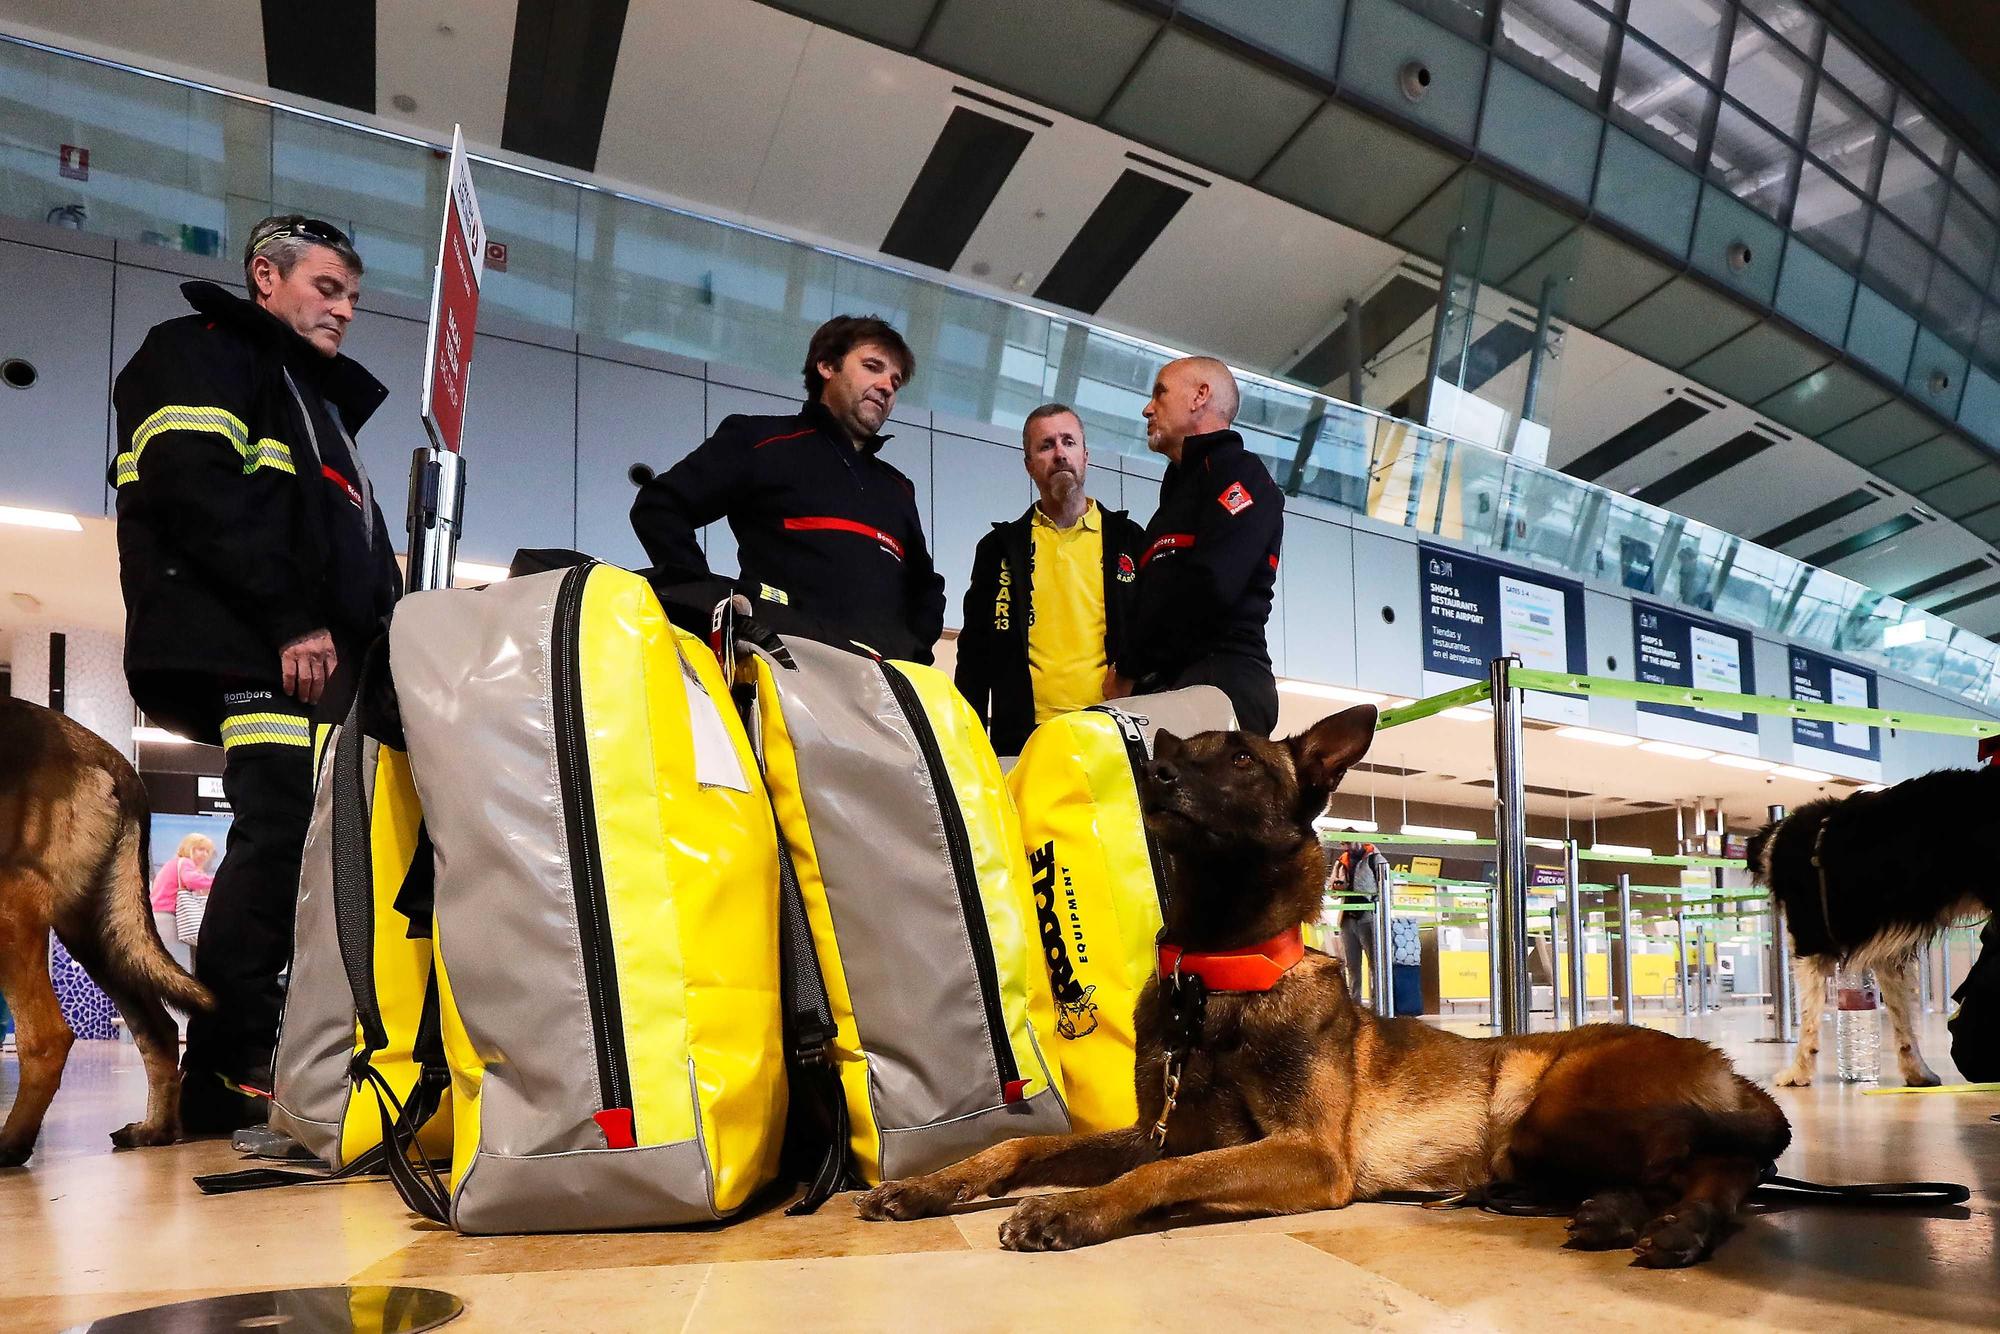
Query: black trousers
[
  {"x": 1250, "y": 685},
  {"x": 246, "y": 933}
]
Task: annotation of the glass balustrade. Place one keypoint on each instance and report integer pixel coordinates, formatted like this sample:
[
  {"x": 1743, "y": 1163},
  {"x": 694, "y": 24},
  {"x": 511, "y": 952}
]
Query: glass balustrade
[{"x": 190, "y": 168}]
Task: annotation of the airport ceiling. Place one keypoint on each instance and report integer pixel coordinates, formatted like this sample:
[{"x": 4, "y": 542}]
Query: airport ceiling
[{"x": 1040, "y": 173}]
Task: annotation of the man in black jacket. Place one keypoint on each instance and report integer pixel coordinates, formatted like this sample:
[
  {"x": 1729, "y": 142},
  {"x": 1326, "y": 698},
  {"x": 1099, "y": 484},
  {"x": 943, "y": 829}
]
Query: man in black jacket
[
  {"x": 256, "y": 567},
  {"x": 1045, "y": 614},
  {"x": 1210, "y": 563},
  {"x": 825, "y": 528}
]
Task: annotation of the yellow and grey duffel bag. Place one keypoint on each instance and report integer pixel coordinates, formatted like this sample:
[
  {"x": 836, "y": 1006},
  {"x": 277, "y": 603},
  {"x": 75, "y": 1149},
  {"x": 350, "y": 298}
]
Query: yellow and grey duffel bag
[
  {"x": 606, "y": 905},
  {"x": 906, "y": 855},
  {"x": 313, "y": 1096},
  {"x": 1098, "y": 886}
]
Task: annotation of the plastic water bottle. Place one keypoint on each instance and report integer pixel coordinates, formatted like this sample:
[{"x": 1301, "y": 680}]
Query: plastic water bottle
[{"x": 1857, "y": 1026}]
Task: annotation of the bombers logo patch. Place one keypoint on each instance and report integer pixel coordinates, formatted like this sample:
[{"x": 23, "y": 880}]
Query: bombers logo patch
[
  {"x": 1126, "y": 572},
  {"x": 1076, "y": 1012},
  {"x": 1236, "y": 499}
]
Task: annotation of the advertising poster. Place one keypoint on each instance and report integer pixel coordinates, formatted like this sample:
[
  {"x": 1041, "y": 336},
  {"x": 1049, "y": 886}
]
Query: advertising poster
[
  {"x": 1848, "y": 749},
  {"x": 1672, "y": 648},
  {"x": 1477, "y": 610}
]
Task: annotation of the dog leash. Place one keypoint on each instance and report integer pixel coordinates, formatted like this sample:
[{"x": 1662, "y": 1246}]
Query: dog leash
[{"x": 1187, "y": 1006}]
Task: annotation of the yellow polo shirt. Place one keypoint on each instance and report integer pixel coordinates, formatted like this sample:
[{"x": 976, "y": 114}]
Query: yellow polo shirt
[{"x": 1066, "y": 631}]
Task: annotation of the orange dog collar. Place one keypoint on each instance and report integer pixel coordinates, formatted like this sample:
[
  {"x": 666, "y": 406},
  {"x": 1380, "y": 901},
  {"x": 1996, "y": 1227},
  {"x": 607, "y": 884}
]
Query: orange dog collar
[{"x": 1253, "y": 968}]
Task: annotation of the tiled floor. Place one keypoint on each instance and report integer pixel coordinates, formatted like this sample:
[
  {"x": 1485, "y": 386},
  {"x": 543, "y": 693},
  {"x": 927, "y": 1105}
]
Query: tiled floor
[{"x": 85, "y": 1232}]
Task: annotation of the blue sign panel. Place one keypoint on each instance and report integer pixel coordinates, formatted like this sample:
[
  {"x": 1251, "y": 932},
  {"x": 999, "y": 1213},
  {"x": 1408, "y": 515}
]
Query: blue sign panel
[
  {"x": 1477, "y": 610},
  {"x": 1825, "y": 680},
  {"x": 1672, "y": 648}
]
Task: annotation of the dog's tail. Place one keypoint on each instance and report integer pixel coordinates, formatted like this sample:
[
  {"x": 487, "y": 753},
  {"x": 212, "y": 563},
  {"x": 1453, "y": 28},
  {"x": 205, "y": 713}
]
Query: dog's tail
[
  {"x": 1755, "y": 1128},
  {"x": 134, "y": 953}
]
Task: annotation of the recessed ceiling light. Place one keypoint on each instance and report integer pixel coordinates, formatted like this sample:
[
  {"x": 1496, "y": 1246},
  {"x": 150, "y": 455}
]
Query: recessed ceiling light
[
  {"x": 1675, "y": 749},
  {"x": 1873, "y": 787},
  {"x": 1596, "y": 737},
  {"x": 1755, "y": 766},
  {"x": 1620, "y": 850},
  {"x": 159, "y": 736},
  {"x": 51, "y": 519},
  {"x": 1314, "y": 690},
  {"x": 1341, "y": 822},
  {"x": 1468, "y": 714},
  {"x": 1439, "y": 833},
  {"x": 1804, "y": 775}
]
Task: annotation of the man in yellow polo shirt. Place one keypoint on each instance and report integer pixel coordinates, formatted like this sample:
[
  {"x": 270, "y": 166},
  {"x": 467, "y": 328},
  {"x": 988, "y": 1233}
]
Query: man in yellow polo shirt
[{"x": 1046, "y": 610}]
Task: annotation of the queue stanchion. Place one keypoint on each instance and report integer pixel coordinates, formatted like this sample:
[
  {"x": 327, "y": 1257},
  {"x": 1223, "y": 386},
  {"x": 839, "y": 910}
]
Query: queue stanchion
[
  {"x": 1703, "y": 978},
  {"x": 1385, "y": 966},
  {"x": 1579, "y": 976},
  {"x": 1924, "y": 980},
  {"x": 1510, "y": 836},
  {"x": 1493, "y": 962},
  {"x": 1681, "y": 970},
  {"x": 1784, "y": 986},
  {"x": 1944, "y": 957},
  {"x": 1625, "y": 946}
]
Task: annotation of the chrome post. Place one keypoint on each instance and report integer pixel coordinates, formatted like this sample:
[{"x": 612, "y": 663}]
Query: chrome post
[
  {"x": 1681, "y": 968},
  {"x": 437, "y": 508},
  {"x": 1579, "y": 975},
  {"x": 1511, "y": 850},
  {"x": 1784, "y": 986},
  {"x": 1625, "y": 946},
  {"x": 1385, "y": 967},
  {"x": 1704, "y": 979}
]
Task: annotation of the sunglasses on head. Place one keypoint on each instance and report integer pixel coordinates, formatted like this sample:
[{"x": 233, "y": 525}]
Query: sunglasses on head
[{"x": 311, "y": 229}]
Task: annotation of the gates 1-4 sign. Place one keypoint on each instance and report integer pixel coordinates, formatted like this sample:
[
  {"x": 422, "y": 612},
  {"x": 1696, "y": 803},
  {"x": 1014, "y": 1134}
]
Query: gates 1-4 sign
[
  {"x": 1671, "y": 648},
  {"x": 1851, "y": 749},
  {"x": 1477, "y": 610}
]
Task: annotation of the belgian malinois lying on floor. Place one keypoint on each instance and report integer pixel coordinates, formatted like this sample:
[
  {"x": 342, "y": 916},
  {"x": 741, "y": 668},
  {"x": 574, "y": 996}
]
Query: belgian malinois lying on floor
[
  {"x": 1289, "y": 1097},
  {"x": 74, "y": 828}
]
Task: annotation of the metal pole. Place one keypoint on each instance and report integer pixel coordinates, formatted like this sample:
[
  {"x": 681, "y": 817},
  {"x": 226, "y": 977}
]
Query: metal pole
[
  {"x": 1511, "y": 850},
  {"x": 1681, "y": 968},
  {"x": 1703, "y": 978},
  {"x": 1944, "y": 957},
  {"x": 1493, "y": 962},
  {"x": 1539, "y": 351},
  {"x": 1625, "y": 947},
  {"x": 1784, "y": 987},
  {"x": 437, "y": 507},
  {"x": 1385, "y": 967},
  {"x": 1924, "y": 992},
  {"x": 1579, "y": 976},
  {"x": 1555, "y": 971}
]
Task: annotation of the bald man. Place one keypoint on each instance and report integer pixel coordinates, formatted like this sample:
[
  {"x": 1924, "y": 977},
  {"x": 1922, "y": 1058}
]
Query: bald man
[{"x": 1210, "y": 561}]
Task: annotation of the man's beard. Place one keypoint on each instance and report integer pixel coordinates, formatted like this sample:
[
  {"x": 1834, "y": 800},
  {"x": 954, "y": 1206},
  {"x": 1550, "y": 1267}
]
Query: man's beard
[{"x": 1064, "y": 486}]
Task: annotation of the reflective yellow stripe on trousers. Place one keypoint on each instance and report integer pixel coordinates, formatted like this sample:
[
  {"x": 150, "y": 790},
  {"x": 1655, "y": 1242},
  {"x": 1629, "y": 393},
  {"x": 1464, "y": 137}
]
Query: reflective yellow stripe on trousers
[{"x": 266, "y": 729}]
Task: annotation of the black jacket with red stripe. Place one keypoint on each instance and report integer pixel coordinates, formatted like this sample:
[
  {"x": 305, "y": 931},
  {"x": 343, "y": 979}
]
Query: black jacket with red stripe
[
  {"x": 1209, "y": 565},
  {"x": 825, "y": 529}
]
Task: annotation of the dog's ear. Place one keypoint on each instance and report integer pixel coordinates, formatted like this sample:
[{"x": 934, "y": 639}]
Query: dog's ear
[
  {"x": 1323, "y": 753},
  {"x": 1165, "y": 744}
]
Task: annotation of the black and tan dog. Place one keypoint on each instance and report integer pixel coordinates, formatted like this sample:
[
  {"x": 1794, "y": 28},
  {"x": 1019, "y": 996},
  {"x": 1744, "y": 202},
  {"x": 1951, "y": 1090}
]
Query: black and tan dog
[
  {"x": 1290, "y": 1097},
  {"x": 73, "y": 857},
  {"x": 1870, "y": 878}
]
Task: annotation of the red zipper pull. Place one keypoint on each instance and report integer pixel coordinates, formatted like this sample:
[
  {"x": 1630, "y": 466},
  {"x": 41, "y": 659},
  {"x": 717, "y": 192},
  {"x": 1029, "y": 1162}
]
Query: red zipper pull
[{"x": 616, "y": 1123}]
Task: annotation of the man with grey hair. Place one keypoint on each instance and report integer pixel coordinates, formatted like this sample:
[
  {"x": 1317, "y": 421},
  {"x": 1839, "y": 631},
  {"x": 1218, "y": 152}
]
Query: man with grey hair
[
  {"x": 1209, "y": 568},
  {"x": 1045, "y": 612},
  {"x": 256, "y": 567}
]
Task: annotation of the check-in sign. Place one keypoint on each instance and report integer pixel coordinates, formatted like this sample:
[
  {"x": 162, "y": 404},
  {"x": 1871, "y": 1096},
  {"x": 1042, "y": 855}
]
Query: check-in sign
[{"x": 454, "y": 304}]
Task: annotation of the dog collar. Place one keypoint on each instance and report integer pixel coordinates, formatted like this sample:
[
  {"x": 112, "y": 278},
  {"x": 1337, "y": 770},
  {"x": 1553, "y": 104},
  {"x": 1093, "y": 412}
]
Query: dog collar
[{"x": 1253, "y": 968}]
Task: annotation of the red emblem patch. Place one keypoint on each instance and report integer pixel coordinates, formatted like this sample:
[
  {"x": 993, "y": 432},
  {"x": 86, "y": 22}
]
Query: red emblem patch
[{"x": 1236, "y": 499}]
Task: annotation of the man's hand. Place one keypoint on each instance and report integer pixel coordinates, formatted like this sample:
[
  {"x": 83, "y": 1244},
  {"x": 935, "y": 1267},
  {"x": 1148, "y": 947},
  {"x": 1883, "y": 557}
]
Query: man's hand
[
  {"x": 309, "y": 662},
  {"x": 1116, "y": 686}
]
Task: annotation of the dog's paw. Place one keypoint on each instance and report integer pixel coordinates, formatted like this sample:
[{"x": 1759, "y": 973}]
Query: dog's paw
[
  {"x": 1792, "y": 1077},
  {"x": 912, "y": 1197},
  {"x": 144, "y": 1135},
  {"x": 1678, "y": 1239},
  {"x": 1051, "y": 1223},
  {"x": 12, "y": 1155},
  {"x": 1923, "y": 1077},
  {"x": 1605, "y": 1223}
]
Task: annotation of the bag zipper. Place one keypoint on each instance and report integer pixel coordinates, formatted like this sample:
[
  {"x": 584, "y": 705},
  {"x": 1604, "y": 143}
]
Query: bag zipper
[
  {"x": 600, "y": 965},
  {"x": 1136, "y": 756},
  {"x": 958, "y": 845}
]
